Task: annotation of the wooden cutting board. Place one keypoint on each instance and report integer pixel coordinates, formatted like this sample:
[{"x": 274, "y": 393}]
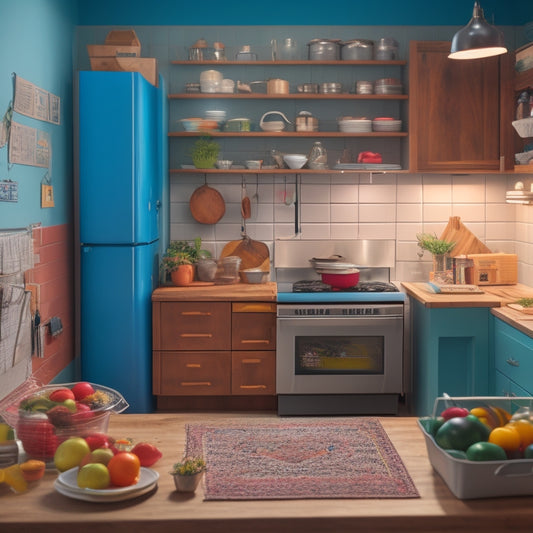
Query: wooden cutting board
[
  {"x": 207, "y": 205},
  {"x": 253, "y": 254},
  {"x": 465, "y": 241}
]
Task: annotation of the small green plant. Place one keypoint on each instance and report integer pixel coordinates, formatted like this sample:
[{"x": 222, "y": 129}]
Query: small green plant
[
  {"x": 433, "y": 244},
  {"x": 189, "y": 466},
  {"x": 183, "y": 253},
  {"x": 205, "y": 153},
  {"x": 525, "y": 302}
]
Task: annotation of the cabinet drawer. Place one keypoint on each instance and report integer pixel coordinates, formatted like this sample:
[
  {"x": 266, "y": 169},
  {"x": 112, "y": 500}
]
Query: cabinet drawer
[
  {"x": 506, "y": 387},
  {"x": 253, "y": 331},
  {"x": 192, "y": 374},
  {"x": 253, "y": 373},
  {"x": 513, "y": 354},
  {"x": 195, "y": 326}
]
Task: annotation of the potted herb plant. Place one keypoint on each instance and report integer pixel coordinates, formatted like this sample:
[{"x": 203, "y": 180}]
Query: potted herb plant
[
  {"x": 188, "y": 473},
  {"x": 205, "y": 153},
  {"x": 180, "y": 259},
  {"x": 440, "y": 249}
]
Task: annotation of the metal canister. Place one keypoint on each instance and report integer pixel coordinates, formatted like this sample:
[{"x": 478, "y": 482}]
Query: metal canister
[
  {"x": 305, "y": 121},
  {"x": 357, "y": 50},
  {"x": 324, "y": 49}
]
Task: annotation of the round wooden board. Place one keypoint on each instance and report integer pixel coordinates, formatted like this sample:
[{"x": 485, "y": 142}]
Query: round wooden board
[
  {"x": 207, "y": 205},
  {"x": 253, "y": 254}
]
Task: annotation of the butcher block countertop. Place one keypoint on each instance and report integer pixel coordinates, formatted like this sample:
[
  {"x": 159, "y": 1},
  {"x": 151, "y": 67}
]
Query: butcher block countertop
[
  {"x": 262, "y": 292},
  {"x": 43, "y": 510},
  {"x": 494, "y": 296}
]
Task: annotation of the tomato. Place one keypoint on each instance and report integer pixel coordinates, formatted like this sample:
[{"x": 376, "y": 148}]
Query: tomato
[
  {"x": 452, "y": 412},
  {"x": 82, "y": 389},
  {"x": 124, "y": 469},
  {"x": 98, "y": 440},
  {"x": 147, "y": 453},
  {"x": 485, "y": 451},
  {"x": 460, "y": 432},
  {"x": 60, "y": 395},
  {"x": 507, "y": 437}
]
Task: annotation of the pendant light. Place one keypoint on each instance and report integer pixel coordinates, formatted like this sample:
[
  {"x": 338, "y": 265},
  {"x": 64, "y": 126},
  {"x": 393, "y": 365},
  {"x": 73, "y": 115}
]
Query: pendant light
[{"x": 477, "y": 39}]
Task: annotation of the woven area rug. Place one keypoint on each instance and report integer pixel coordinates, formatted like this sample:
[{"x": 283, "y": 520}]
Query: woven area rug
[{"x": 344, "y": 458}]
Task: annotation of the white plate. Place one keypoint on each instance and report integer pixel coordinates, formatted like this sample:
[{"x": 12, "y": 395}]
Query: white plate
[{"x": 66, "y": 484}]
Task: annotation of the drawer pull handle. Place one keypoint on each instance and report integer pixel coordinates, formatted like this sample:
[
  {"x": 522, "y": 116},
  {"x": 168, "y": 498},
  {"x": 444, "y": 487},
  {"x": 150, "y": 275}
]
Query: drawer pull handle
[
  {"x": 255, "y": 341},
  {"x": 193, "y": 365},
  {"x": 196, "y": 313},
  {"x": 252, "y": 387},
  {"x": 251, "y": 361},
  {"x": 512, "y": 362},
  {"x": 196, "y": 335},
  {"x": 196, "y": 384}
]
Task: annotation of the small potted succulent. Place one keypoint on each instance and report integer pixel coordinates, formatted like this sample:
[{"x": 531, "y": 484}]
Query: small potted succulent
[
  {"x": 205, "y": 153},
  {"x": 180, "y": 259},
  {"x": 188, "y": 473}
]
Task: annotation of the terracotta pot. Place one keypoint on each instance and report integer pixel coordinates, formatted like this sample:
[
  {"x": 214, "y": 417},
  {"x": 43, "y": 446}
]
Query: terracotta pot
[{"x": 183, "y": 275}]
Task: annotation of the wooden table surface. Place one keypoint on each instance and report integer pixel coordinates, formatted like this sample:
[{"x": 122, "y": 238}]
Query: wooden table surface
[{"x": 42, "y": 509}]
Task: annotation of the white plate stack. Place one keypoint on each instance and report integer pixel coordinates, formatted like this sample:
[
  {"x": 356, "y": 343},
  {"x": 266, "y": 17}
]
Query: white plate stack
[
  {"x": 386, "y": 124},
  {"x": 355, "y": 125}
]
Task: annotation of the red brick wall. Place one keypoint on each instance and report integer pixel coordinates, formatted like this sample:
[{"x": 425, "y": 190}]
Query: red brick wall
[{"x": 54, "y": 275}]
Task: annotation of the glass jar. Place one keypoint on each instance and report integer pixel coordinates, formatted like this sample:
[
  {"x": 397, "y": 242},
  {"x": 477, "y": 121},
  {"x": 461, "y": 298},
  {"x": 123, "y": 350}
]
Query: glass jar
[
  {"x": 288, "y": 50},
  {"x": 318, "y": 157}
]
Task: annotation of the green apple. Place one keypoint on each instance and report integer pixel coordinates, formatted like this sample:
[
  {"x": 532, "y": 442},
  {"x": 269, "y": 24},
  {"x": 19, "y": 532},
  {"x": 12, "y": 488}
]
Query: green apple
[
  {"x": 70, "y": 453},
  {"x": 70, "y": 405},
  {"x": 93, "y": 476},
  {"x": 100, "y": 455}
]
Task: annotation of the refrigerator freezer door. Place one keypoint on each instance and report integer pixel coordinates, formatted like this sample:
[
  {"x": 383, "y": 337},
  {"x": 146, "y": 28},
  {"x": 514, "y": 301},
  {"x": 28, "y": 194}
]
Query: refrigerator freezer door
[
  {"x": 116, "y": 319},
  {"x": 119, "y": 160}
]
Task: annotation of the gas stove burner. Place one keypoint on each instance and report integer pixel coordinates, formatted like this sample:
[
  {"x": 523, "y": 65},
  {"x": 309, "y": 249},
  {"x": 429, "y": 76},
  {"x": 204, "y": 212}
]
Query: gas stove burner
[
  {"x": 362, "y": 286},
  {"x": 374, "y": 286},
  {"x": 310, "y": 286}
]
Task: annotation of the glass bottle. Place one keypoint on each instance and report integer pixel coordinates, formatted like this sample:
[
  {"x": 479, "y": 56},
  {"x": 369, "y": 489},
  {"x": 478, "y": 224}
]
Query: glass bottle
[{"x": 318, "y": 157}]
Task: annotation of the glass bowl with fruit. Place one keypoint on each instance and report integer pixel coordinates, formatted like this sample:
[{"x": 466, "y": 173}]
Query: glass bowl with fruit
[{"x": 45, "y": 415}]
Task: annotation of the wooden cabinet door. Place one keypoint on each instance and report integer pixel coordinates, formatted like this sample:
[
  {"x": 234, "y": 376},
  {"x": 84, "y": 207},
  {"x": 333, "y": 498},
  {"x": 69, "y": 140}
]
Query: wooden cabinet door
[
  {"x": 253, "y": 326},
  {"x": 460, "y": 111},
  {"x": 253, "y": 373},
  {"x": 194, "y": 326},
  {"x": 192, "y": 373}
]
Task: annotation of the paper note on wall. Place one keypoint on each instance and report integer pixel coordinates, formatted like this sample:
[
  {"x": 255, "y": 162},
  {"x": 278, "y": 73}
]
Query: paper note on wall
[
  {"x": 29, "y": 146},
  {"x": 35, "y": 102}
]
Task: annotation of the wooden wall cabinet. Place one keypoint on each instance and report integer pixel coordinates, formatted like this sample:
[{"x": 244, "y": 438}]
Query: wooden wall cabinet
[
  {"x": 460, "y": 111},
  {"x": 209, "y": 348}
]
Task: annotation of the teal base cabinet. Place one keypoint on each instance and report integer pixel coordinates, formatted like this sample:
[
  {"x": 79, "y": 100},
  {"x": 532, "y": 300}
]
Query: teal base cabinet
[
  {"x": 450, "y": 353},
  {"x": 513, "y": 361}
]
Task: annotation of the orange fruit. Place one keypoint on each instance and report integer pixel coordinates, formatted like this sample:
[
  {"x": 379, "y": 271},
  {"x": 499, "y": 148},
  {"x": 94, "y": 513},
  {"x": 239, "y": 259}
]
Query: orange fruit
[
  {"x": 525, "y": 430},
  {"x": 124, "y": 469},
  {"x": 507, "y": 437}
]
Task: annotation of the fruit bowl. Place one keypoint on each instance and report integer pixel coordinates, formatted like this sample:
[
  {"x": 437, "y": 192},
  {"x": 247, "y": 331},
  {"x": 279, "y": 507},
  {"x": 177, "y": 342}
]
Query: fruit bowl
[{"x": 43, "y": 417}]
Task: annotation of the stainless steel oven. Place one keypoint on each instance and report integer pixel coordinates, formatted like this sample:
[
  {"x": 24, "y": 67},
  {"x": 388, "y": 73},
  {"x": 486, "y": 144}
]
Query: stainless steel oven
[
  {"x": 339, "y": 358},
  {"x": 339, "y": 352}
]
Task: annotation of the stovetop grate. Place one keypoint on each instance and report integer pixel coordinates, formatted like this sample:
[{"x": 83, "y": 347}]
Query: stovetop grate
[{"x": 363, "y": 286}]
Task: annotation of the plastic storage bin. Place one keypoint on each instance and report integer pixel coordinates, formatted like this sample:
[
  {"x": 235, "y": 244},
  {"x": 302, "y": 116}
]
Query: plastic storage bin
[{"x": 483, "y": 479}]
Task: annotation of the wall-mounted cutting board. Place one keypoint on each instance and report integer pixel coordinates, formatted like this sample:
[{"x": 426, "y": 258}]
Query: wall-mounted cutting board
[{"x": 465, "y": 241}]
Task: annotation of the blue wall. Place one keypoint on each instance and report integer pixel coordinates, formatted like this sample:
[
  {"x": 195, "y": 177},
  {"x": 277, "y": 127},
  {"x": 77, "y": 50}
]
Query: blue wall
[
  {"x": 36, "y": 42},
  {"x": 300, "y": 12}
]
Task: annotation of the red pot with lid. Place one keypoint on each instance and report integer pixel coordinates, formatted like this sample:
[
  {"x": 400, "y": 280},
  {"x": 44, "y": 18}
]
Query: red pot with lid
[{"x": 338, "y": 274}]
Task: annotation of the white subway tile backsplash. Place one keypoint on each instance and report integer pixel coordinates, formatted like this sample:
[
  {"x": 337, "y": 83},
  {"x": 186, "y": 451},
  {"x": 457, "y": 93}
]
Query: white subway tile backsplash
[
  {"x": 469, "y": 212},
  {"x": 315, "y": 213},
  {"x": 363, "y": 206},
  {"x": 344, "y": 213}
]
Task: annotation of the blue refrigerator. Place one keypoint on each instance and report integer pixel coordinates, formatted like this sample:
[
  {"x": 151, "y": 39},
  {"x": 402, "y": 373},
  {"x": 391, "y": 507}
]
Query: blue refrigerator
[{"x": 122, "y": 161}]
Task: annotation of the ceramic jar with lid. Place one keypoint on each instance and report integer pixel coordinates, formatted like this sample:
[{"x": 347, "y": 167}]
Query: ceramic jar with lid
[{"x": 305, "y": 121}]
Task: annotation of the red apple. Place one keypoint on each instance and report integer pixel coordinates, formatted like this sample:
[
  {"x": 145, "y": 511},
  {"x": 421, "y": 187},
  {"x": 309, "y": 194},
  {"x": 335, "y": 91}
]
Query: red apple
[
  {"x": 60, "y": 395},
  {"x": 98, "y": 440},
  {"x": 81, "y": 390}
]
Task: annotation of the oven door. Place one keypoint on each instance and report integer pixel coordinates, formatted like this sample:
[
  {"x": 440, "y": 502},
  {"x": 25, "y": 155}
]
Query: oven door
[{"x": 333, "y": 355}]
